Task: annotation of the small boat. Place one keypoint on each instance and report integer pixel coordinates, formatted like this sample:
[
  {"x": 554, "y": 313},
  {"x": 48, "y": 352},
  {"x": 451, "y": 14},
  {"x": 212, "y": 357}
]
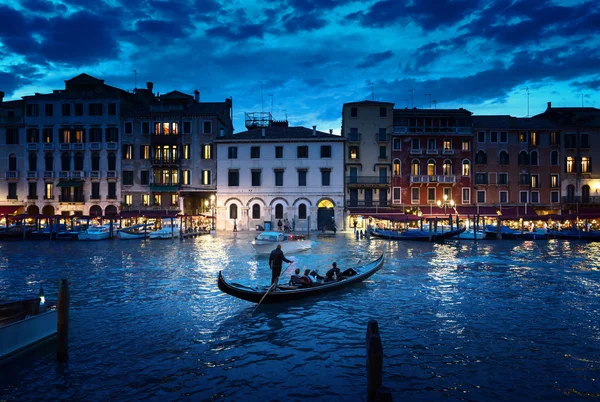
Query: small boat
[
  {"x": 284, "y": 293},
  {"x": 141, "y": 231},
  {"x": 536, "y": 234},
  {"x": 470, "y": 234},
  {"x": 169, "y": 230},
  {"x": 96, "y": 233},
  {"x": 416, "y": 235},
  {"x": 24, "y": 323},
  {"x": 574, "y": 234},
  {"x": 290, "y": 243},
  {"x": 491, "y": 232}
]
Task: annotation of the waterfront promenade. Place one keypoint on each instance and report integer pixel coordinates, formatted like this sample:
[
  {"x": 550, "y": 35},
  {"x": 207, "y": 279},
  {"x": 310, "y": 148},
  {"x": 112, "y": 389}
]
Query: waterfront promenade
[{"x": 492, "y": 320}]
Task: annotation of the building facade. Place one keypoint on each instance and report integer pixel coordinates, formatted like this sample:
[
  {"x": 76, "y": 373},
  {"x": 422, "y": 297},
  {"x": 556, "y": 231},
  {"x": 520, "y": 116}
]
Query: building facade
[{"x": 277, "y": 172}]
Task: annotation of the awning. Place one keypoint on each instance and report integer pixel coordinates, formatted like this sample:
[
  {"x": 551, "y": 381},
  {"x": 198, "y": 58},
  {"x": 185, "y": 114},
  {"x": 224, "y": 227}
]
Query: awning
[
  {"x": 396, "y": 217},
  {"x": 475, "y": 210},
  {"x": 437, "y": 211},
  {"x": 164, "y": 189},
  {"x": 150, "y": 213},
  {"x": 8, "y": 209},
  {"x": 69, "y": 184}
]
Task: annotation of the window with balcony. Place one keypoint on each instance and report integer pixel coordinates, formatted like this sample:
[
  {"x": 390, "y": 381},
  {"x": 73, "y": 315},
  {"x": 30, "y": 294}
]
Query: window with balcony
[
  {"x": 32, "y": 161},
  {"x": 233, "y": 178},
  {"x": 112, "y": 161},
  {"x": 447, "y": 168},
  {"x": 256, "y": 175},
  {"x": 302, "y": 174},
  {"x": 302, "y": 151},
  {"x": 570, "y": 164},
  {"x": 255, "y": 152},
  {"x": 48, "y": 135},
  {"x": 95, "y": 134},
  {"x": 78, "y": 161},
  {"x": 48, "y": 161},
  {"x": 33, "y": 135},
  {"x": 207, "y": 177},
  {"x": 65, "y": 161},
  {"x": 586, "y": 165},
  {"x": 325, "y": 151},
  {"x": 430, "y": 167},
  {"x": 279, "y": 177},
  {"x": 112, "y": 134}
]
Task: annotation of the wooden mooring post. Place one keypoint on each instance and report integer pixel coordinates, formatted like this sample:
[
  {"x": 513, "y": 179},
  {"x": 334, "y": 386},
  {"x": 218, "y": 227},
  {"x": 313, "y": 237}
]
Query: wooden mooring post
[
  {"x": 62, "y": 333},
  {"x": 376, "y": 392}
]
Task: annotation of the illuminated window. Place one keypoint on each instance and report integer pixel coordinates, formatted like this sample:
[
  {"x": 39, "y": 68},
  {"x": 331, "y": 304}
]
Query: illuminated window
[
  {"x": 166, "y": 129},
  {"x": 145, "y": 151},
  {"x": 165, "y": 176},
  {"x": 78, "y": 135},
  {"x": 447, "y": 168},
  {"x": 145, "y": 200},
  {"x": 466, "y": 168},
  {"x": 174, "y": 200},
  {"x": 186, "y": 177},
  {"x": 206, "y": 177},
  {"x": 534, "y": 138},
  {"x": 396, "y": 167},
  {"x": 128, "y": 199},
  {"x": 49, "y": 191},
  {"x": 430, "y": 167},
  {"x": 156, "y": 199},
  {"x": 174, "y": 128},
  {"x": 415, "y": 168},
  {"x": 447, "y": 144},
  {"x": 466, "y": 145},
  {"x": 175, "y": 176},
  {"x": 570, "y": 164},
  {"x": 554, "y": 182},
  {"x": 156, "y": 128},
  {"x": 186, "y": 151},
  {"x": 353, "y": 152},
  {"x": 585, "y": 164}
]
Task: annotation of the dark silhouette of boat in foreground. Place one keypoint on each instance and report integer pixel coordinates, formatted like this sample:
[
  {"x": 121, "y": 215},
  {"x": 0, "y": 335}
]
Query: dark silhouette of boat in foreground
[
  {"x": 416, "y": 235},
  {"x": 283, "y": 293}
]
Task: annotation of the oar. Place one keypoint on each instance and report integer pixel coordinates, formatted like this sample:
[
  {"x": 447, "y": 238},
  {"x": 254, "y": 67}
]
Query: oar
[{"x": 273, "y": 286}]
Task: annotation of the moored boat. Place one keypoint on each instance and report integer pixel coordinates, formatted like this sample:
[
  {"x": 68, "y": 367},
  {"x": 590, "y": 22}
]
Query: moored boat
[
  {"x": 536, "y": 234},
  {"x": 24, "y": 323},
  {"x": 470, "y": 234},
  {"x": 290, "y": 243},
  {"x": 169, "y": 230},
  {"x": 285, "y": 293},
  {"x": 491, "y": 232},
  {"x": 95, "y": 233},
  {"x": 416, "y": 235},
  {"x": 141, "y": 231},
  {"x": 588, "y": 235}
]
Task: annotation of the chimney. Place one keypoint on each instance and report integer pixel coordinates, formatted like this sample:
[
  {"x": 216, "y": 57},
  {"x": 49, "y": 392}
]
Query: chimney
[
  {"x": 331, "y": 131},
  {"x": 197, "y": 95},
  {"x": 549, "y": 105},
  {"x": 263, "y": 132},
  {"x": 314, "y": 130},
  {"x": 149, "y": 85},
  {"x": 1, "y": 96}
]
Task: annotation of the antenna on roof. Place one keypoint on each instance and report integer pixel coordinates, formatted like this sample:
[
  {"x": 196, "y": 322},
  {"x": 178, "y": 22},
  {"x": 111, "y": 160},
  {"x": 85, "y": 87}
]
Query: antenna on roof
[
  {"x": 285, "y": 110},
  {"x": 372, "y": 92},
  {"x": 434, "y": 104},
  {"x": 581, "y": 100},
  {"x": 262, "y": 103},
  {"x": 271, "y": 95},
  {"x": 527, "y": 90},
  {"x": 429, "y": 100},
  {"x": 134, "y": 79}
]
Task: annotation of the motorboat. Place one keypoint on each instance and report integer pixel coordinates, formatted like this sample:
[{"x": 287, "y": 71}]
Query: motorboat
[
  {"x": 284, "y": 293},
  {"x": 141, "y": 231},
  {"x": 290, "y": 243},
  {"x": 169, "y": 230},
  {"x": 96, "y": 233},
  {"x": 24, "y": 323}
]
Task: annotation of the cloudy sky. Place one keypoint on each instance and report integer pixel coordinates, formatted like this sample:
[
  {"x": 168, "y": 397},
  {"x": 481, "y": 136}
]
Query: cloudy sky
[{"x": 311, "y": 56}]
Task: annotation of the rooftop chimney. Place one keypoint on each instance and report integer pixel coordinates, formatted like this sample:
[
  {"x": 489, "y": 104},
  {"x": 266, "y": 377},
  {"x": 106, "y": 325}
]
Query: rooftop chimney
[
  {"x": 1, "y": 96},
  {"x": 149, "y": 85},
  {"x": 197, "y": 95},
  {"x": 331, "y": 131},
  {"x": 263, "y": 132},
  {"x": 314, "y": 130},
  {"x": 549, "y": 105}
]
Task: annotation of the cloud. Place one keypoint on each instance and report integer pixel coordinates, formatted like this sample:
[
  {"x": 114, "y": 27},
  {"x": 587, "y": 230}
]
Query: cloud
[
  {"x": 591, "y": 84},
  {"x": 237, "y": 34},
  {"x": 375, "y": 58},
  {"x": 306, "y": 22},
  {"x": 9, "y": 82}
]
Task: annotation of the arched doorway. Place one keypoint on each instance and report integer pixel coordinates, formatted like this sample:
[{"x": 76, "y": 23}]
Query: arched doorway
[
  {"x": 585, "y": 194},
  {"x": 110, "y": 210},
  {"x": 48, "y": 210},
  {"x": 96, "y": 210},
  {"x": 325, "y": 215},
  {"x": 33, "y": 210},
  {"x": 570, "y": 193}
]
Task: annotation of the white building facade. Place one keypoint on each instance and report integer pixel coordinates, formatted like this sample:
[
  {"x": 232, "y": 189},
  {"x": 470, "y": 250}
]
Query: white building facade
[{"x": 275, "y": 173}]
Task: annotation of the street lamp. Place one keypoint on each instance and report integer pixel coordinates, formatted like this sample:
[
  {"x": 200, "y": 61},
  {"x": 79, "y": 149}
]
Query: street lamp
[{"x": 446, "y": 202}]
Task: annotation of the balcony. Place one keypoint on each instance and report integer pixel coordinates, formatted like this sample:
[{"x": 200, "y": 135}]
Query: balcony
[
  {"x": 354, "y": 137},
  {"x": 367, "y": 180},
  {"x": 368, "y": 204},
  {"x": 63, "y": 174},
  {"x": 419, "y": 179},
  {"x": 48, "y": 174},
  {"x": 95, "y": 174},
  {"x": 381, "y": 137},
  {"x": 32, "y": 174},
  {"x": 111, "y": 174},
  {"x": 64, "y": 147},
  {"x": 78, "y": 146},
  {"x": 48, "y": 146},
  {"x": 112, "y": 146},
  {"x": 11, "y": 175},
  {"x": 448, "y": 152},
  {"x": 71, "y": 198},
  {"x": 443, "y": 179},
  {"x": 580, "y": 200},
  {"x": 49, "y": 197},
  {"x": 431, "y": 152},
  {"x": 32, "y": 146},
  {"x": 416, "y": 151},
  {"x": 95, "y": 146},
  {"x": 32, "y": 197},
  {"x": 95, "y": 197},
  {"x": 78, "y": 174}
]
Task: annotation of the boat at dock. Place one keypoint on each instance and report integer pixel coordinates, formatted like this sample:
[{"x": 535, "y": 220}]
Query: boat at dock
[
  {"x": 290, "y": 243},
  {"x": 96, "y": 233},
  {"x": 284, "y": 293},
  {"x": 24, "y": 323},
  {"x": 169, "y": 230},
  {"x": 141, "y": 231},
  {"x": 416, "y": 234},
  {"x": 491, "y": 232}
]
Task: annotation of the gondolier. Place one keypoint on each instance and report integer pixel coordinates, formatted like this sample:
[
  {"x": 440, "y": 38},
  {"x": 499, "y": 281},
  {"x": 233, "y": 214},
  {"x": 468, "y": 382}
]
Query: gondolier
[{"x": 276, "y": 260}]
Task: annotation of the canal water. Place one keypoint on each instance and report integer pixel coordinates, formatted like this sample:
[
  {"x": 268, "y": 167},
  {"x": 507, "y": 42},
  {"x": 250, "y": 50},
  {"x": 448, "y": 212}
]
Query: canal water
[{"x": 464, "y": 321}]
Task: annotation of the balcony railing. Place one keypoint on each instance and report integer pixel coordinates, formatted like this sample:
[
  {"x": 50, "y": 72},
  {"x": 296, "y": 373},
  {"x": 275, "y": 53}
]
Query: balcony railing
[
  {"x": 11, "y": 175},
  {"x": 32, "y": 197},
  {"x": 71, "y": 198},
  {"x": 580, "y": 200},
  {"x": 32, "y": 174},
  {"x": 95, "y": 146},
  {"x": 432, "y": 152},
  {"x": 419, "y": 179},
  {"x": 48, "y": 197},
  {"x": 416, "y": 151},
  {"x": 77, "y": 174},
  {"x": 112, "y": 146},
  {"x": 432, "y": 179},
  {"x": 354, "y": 137},
  {"x": 32, "y": 146},
  {"x": 64, "y": 146},
  {"x": 63, "y": 174},
  {"x": 431, "y": 130},
  {"x": 48, "y": 174},
  {"x": 448, "y": 152},
  {"x": 367, "y": 180},
  {"x": 94, "y": 174},
  {"x": 48, "y": 146},
  {"x": 367, "y": 204},
  {"x": 78, "y": 146},
  {"x": 111, "y": 174}
]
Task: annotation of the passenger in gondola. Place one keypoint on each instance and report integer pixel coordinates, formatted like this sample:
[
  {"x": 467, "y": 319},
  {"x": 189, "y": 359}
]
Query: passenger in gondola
[
  {"x": 333, "y": 274},
  {"x": 316, "y": 277}
]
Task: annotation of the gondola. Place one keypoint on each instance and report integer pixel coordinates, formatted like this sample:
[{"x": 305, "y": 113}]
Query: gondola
[
  {"x": 416, "y": 235},
  {"x": 285, "y": 293}
]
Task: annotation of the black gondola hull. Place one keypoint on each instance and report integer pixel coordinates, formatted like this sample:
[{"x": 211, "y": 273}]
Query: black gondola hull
[{"x": 284, "y": 295}]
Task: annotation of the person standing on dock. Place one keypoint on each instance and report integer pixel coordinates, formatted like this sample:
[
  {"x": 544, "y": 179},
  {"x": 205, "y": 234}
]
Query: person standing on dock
[
  {"x": 276, "y": 260},
  {"x": 235, "y": 225}
]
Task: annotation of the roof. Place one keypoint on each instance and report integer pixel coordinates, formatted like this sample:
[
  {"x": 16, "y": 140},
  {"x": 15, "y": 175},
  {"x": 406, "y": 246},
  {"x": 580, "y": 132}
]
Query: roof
[
  {"x": 509, "y": 122},
  {"x": 279, "y": 133},
  {"x": 432, "y": 112},
  {"x": 572, "y": 116},
  {"x": 368, "y": 103}
]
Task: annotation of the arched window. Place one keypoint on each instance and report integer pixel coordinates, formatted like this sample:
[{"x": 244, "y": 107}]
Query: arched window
[
  {"x": 233, "y": 211},
  {"x": 65, "y": 161},
  {"x": 279, "y": 211},
  {"x": 447, "y": 168},
  {"x": 503, "y": 158},
  {"x": 523, "y": 158},
  {"x": 396, "y": 167},
  {"x": 466, "y": 168},
  {"x": 112, "y": 162},
  {"x": 95, "y": 161},
  {"x": 302, "y": 211},
  {"x": 554, "y": 158},
  {"x": 33, "y": 161},
  {"x": 78, "y": 161},
  {"x": 481, "y": 158},
  {"x": 12, "y": 162},
  {"x": 49, "y": 161},
  {"x": 534, "y": 158},
  {"x": 570, "y": 165},
  {"x": 255, "y": 211},
  {"x": 585, "y": 194},
  {"x": 430, "y": 167},
  {"x": 415, "y": 168}
]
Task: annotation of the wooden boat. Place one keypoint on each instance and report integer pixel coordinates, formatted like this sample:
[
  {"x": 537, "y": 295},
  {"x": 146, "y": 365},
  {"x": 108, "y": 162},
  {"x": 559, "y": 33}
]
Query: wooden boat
[
  {"x": 285, "y": 293},
  {"x": 491, "y": 232},
  {"x": 24, "y": 323},
  {"x": 470, "y": 234},
  {"x": 537, "y": 234},
  {"x": 141, "y": 231},
  {"x": 416, "y": 235},
  {"x": 290, "y": 243},
  {"x": 590, "y": 235}
]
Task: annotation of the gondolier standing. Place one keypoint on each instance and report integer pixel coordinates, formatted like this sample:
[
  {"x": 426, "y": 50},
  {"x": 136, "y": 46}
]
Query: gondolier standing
[{"x": 276, "y": 260}]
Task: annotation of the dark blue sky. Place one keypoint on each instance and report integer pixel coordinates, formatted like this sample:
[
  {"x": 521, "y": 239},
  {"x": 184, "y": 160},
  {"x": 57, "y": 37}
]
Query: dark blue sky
[{"x": 313, "y": 55}]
